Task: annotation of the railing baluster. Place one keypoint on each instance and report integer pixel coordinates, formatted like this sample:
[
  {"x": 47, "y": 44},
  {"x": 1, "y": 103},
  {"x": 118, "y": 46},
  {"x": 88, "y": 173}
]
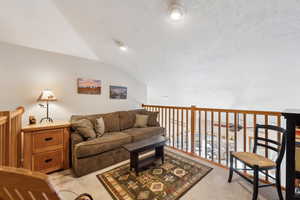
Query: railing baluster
[
  {"x": 177, "y": 134},
  {"x": 266, "y": 143},
  {"x": 219, "y": 137},
  {"x": 278, "y": 133},
  {"x": 159, "y": 115},
  {"x": 182, "y": 118},
  {"x": 200, "y": 141},
  {"x": 235, "y": 134},
  {"x": 193, "y": 129},
  {"x": 173, "y": 126},
  {"x": 169, "y": 130},
  {"x": 187, "y": 130},
  {"x": 162, "y": 117},
  {"x": 245, "y": 131},
  {"x": 205, "y": 132},
  {"x": 254, "y": 127},
  {"x": 227, "y": 145},
  {"x": 212, "y": 136},
  {"x": 245, "y": 134},
  {"x": 166, "y": 121}
]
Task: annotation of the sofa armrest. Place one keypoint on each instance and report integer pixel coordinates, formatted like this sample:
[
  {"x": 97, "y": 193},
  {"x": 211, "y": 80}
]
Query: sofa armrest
[{"x": 76, "y": 138}]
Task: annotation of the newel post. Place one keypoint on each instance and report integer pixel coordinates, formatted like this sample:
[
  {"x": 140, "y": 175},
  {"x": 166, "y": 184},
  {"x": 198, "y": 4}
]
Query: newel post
[{"x": 193, "y": 128}]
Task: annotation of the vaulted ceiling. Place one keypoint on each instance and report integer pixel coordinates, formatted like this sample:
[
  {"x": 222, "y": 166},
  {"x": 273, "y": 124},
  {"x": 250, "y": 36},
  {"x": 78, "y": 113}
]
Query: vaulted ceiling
[{"x": 211, "y": 40}]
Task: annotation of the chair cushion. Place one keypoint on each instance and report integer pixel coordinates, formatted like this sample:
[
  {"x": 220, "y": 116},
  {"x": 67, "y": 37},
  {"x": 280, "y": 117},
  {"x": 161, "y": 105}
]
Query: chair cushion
[
  {"x": 253, "y": 159},
  {"x": 127, "y": 119},
  {"x": 108, "y": 141},
  {"x": 143, "y": 133}
]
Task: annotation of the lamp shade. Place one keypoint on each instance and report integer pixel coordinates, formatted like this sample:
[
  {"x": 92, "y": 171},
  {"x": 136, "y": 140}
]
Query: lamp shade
[{"x": 47, "y": 95}]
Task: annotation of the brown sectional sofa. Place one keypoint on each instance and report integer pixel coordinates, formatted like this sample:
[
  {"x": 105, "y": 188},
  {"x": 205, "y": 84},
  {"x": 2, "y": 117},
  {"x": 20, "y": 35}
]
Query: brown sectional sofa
[{"x": 92, "y": 155}]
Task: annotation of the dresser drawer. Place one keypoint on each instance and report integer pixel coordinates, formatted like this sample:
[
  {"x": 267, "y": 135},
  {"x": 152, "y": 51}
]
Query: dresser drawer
[
  {"x": 48, "y": 161},
  {"x": 47, "y": 140}
]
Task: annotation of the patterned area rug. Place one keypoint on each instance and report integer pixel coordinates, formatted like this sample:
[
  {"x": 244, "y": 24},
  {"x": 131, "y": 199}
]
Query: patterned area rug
[{"x": 159, "y": 182}]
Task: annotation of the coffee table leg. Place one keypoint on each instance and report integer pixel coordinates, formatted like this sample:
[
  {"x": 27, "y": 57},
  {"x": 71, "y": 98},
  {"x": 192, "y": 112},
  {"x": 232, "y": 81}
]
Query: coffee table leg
[
  {"x": 163, "y": 155},
  {"x": 131, "y": 161},
  {"x": 136, "y": 163},
  {"x": 159, "y": 153}
]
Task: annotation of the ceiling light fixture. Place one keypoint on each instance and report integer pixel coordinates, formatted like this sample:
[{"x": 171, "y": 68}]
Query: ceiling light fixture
[
  {"x": 121, "y": 45},
  {"x": 176, "y": 12},
  {"x": 124, "y": 48}
]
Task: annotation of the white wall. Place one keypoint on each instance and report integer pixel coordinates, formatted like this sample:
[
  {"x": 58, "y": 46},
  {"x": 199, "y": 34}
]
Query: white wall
[
  {"x": 24, "y": 72},
  {"x": 265, "y": 77}
]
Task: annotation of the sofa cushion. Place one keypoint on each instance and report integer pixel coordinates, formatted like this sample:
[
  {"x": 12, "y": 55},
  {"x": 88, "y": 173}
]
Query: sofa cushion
[
  {"x": 127, "y": 119},
  {"x": 112, "y": 122},
  {"x": 85, "y": 128},
  {"x": 107, "y": 142},
  {"x": 143, "y": 133}
]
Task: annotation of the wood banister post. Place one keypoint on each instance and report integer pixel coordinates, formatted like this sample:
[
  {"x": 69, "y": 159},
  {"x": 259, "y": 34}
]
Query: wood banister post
[
  {"x": 6, "y": 139},
  {"x": 193, "y": 128},
  {"x": 10, "y": 135}
]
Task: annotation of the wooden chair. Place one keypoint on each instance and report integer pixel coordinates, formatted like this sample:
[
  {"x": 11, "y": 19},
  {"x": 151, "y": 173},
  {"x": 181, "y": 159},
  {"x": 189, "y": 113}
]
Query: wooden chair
[
  {"x": 259, "y": 164},
  {"x": 22, "y": 184}
]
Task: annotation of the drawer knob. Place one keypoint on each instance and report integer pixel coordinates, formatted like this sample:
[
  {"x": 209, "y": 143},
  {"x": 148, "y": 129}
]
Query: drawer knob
[
  {"x": 49, "y": 139},
  {"x": 48, "y": 160}
]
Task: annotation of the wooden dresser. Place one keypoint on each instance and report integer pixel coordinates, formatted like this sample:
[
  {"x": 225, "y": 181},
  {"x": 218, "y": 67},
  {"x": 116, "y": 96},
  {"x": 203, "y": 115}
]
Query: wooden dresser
[{"x": 46, "y": 147}]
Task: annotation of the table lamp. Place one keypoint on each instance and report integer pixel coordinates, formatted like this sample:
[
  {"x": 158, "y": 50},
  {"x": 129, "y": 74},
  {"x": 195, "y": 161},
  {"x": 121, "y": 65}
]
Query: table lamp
[{"x": 47, "y": 95}]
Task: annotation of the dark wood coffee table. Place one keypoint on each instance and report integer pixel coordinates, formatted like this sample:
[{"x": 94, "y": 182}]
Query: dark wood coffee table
[{"x": 135, "y": 148}]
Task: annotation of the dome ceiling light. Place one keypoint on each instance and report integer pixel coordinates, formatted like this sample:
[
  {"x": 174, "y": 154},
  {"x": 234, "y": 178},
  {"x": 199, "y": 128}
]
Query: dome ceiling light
[
  {"x": 176, "y": 11},
  {"x": 121, "y": 45}
]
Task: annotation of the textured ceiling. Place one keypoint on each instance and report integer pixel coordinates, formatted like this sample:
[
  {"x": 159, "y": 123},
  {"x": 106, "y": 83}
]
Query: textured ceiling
[
  {"x": 212, "y": 34},
  {"x": 216, "y": 38}
]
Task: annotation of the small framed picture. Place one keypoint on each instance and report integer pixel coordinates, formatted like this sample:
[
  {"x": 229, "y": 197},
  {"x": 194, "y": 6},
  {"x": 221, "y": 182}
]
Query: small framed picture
[
  {"x": 88, "y": 86},
  {"x": 117, "y": 92}
]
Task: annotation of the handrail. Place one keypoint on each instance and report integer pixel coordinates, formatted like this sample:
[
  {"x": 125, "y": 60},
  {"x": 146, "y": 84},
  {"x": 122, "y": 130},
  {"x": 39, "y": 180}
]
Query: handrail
[
  {"x": 3, "y": 120},
  {"x": 211, "y": 133},
  {"x": 259, "y": 112},
  {"x": 158, "y": 106},
  {"x": 19, "y": 111}
]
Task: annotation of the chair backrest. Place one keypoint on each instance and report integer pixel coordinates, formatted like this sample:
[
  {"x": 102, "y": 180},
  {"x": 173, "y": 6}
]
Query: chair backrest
[
  {"x": 22, "y": 184},
  {"x": 278, "y": 147}
]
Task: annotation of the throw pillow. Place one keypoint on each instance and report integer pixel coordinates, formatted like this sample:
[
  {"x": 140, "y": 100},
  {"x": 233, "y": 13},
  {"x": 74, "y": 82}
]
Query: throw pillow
[
  {"x": 141, "y": 121},
  {"x": 85, "y": 128},
  {"x": 152, "y": 120},
  {"x": 99, "y": 127}
]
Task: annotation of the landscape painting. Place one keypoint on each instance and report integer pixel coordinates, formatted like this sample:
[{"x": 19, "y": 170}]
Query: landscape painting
[
  {"x": 118, "y": 92},
  {"x": 89, "y": 86}
]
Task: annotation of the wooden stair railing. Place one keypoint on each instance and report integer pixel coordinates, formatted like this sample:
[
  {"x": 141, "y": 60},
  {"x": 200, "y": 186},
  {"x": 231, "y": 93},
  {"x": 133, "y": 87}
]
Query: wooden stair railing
[
  {"x": 212, "y": 133},
  {"x": 10, "y": 137}
]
